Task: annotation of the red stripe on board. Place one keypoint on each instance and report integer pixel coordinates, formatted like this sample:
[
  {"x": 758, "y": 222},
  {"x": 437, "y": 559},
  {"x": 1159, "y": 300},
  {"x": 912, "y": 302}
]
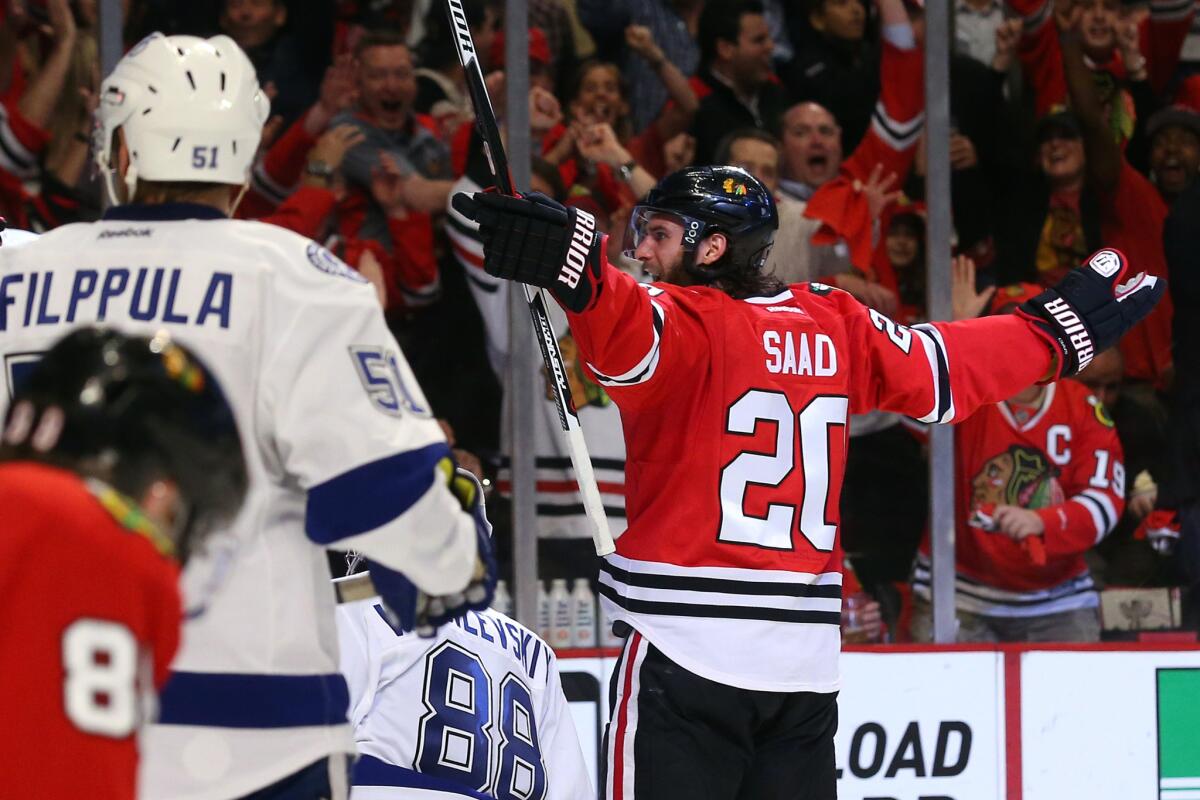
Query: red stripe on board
[
  {"x": 608, "y": 487},
  {"x": 1012, "y": 721},
  {"x": 588, "y": 652},
  {"x": 623, "y": 719}
]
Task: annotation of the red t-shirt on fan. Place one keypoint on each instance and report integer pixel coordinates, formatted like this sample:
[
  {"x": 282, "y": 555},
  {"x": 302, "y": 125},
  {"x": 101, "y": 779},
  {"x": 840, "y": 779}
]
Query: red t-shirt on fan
[{"x": 89, "y": 622}]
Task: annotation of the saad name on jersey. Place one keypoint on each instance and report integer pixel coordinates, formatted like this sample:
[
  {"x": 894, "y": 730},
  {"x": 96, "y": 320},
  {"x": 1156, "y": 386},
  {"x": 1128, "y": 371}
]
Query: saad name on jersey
[
  {"x": 146, "y": 294},
  {"x": 794, "y": 353}
]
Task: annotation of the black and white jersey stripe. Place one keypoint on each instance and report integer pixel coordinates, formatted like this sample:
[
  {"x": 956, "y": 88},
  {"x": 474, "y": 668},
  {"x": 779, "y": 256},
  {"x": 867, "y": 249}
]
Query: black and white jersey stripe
[
  {"x": 979, "y": 598},
  {"x": 644, "y": 587},
  {"x": 644, "y": 370},
  {"x": 1170, "y": 9},
  {"x": 1100, "y": 506},
  {"x": 15, "y": 158},
  {"x": 898, "y": 135},
  {"x": 262, "y": 182},
  {"x": 939, "y": 367},
  {"x": 1031, "y": 22}
]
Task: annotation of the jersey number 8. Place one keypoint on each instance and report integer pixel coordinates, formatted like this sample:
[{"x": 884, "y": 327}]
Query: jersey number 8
[{"x": 100, "y": 662}]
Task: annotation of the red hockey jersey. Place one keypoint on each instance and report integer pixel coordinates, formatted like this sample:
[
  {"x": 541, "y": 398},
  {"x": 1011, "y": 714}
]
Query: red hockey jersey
[
  {"x": 735, "y": 415},
  {"x": 1065, "y": 463},
  {"x": 89, "y": 622}
]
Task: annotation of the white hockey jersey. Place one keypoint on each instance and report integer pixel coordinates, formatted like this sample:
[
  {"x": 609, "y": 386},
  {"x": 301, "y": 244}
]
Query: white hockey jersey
[
  {"x": 559, "y": 507},
  {"x": 339, "y": 442},
  {"x": 478, "y": 711}
]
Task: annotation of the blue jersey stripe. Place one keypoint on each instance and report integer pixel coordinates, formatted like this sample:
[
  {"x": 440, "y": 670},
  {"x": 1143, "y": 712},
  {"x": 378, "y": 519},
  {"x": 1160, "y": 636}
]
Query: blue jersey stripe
[
  {"x": 371, "y": 771},
  {"x": 234, "y": 700},
  {"x": 372, "y": 495}
]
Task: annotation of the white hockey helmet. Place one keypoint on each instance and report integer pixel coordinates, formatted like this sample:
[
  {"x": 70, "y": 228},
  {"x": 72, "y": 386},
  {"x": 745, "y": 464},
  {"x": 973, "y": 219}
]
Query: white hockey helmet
[{"x": 191, "y": 110}]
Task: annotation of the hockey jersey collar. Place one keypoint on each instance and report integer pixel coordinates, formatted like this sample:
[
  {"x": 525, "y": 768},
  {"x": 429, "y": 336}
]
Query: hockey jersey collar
[{"x": 163, "y": 212}]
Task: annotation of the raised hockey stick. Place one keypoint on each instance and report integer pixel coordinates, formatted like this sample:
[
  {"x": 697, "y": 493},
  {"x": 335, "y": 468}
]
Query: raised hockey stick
[{"x": 489, "y": 133}]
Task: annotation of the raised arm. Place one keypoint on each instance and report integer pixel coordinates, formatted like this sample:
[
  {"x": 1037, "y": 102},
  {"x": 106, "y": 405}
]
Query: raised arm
[
  {"x": 1103, "y": 151},
  {"x": 42, "y": 93},
  {"x": 676, "y": 115},
  {"x": 900, "y": 111}
]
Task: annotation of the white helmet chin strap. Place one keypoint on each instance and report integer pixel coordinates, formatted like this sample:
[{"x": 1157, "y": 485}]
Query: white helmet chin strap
[
  {"x": 130, "y": 182},
  {"x": 237, "y": 201}
]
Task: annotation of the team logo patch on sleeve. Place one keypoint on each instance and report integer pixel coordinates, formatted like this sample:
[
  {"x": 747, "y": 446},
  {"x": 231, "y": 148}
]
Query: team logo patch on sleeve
[
  {"x": 327, "y": 262},
  {"x": 1102, "y": 415},
  {"x": 819, "y": 289}
]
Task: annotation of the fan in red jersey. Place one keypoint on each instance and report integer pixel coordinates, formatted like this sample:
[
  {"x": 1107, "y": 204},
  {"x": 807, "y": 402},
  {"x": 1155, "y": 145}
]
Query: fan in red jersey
[
  {"x": 1040, "y": 481},
  {"x": 735, "y": 393},
  {"x": 118, "y": 456}
]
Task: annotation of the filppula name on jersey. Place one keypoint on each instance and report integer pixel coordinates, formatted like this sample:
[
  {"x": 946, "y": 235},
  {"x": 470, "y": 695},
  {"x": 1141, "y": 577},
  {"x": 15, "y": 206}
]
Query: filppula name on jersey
[{"x": 146, "y": 294}]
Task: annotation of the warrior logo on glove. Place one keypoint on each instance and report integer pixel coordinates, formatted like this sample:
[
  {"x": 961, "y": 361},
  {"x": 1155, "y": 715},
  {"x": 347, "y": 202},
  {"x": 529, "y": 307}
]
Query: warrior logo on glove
[
  {"x": 1090, "y": 309},
  {"x": 577, "y": 253},
  {"x": 1106, "y": 262}
]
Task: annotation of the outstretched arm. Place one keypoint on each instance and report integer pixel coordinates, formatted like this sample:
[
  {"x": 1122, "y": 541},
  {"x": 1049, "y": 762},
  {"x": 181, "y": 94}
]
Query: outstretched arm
[{"x": 943, "y": 372}]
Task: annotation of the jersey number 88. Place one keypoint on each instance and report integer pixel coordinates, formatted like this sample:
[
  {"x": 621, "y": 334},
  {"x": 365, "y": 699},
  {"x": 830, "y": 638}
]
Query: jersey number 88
[{"x": 456, "y": 735}]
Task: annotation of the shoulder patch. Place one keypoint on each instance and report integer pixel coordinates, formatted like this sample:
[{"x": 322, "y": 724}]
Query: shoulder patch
[
  {"x": 820, "y": 289},
  {"x": 328, "y": 263},
  {"x": 1102, "y": 415}
]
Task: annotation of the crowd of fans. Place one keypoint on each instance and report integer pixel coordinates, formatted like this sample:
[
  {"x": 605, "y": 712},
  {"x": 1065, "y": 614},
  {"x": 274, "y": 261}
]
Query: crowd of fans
[{"x": 1075, "y": 125}]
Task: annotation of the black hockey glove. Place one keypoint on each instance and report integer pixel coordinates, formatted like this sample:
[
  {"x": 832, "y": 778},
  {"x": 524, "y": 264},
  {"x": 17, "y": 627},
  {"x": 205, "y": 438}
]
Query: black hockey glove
[
  {"x": 1090, "y": 309},
  {"x": 538, "y": 241}
]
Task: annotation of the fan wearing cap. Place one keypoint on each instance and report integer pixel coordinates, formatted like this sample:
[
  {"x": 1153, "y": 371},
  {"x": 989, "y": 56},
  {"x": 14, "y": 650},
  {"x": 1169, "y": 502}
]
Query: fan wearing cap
[
  {"x": 1174, "y": 134},
  {"x": 119, "y": 458},
  {"x": 1039, "y": 481}
]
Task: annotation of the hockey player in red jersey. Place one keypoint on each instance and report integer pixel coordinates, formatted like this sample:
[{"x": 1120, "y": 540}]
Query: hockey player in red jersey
[
  {"x": 735, "y": 393},
  {"x": 118, "y": 455}
]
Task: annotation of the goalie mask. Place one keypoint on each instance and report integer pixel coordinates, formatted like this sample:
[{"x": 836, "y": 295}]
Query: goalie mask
[{"x": 708, "y": 200}]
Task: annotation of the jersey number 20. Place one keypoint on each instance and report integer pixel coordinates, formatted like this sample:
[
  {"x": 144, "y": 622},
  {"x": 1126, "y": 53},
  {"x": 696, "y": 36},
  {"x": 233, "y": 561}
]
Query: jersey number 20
[
  {"x": 455, "y": 739},
  {"x": 774, "y": 531}
]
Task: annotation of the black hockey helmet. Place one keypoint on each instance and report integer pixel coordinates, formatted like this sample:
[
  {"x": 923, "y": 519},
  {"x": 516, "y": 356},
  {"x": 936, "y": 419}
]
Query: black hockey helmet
[
  {"x": 130, "y": 410},
  {"x": 709, "y": 200}
]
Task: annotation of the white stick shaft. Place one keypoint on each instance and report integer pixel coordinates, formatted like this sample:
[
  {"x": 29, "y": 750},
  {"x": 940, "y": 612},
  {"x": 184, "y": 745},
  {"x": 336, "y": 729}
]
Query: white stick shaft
[{"x": 585, "y": 476}]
